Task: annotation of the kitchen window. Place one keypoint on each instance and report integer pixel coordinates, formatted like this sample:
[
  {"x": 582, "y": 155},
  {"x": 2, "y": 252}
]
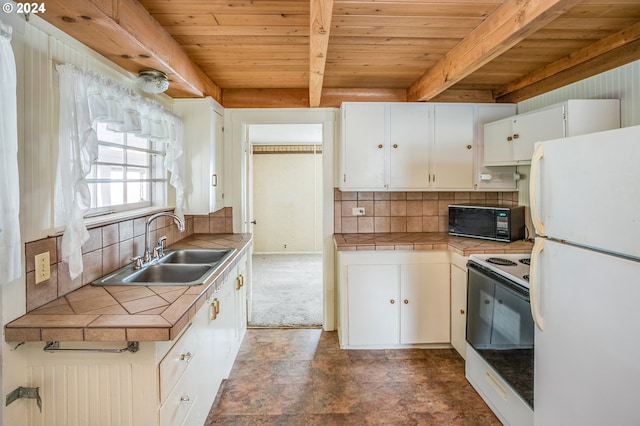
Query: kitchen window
[{"x": 128, "y": 174}]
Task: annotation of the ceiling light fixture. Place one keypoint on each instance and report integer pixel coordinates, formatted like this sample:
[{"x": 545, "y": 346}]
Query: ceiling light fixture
[{"x": 152, "y": 81}]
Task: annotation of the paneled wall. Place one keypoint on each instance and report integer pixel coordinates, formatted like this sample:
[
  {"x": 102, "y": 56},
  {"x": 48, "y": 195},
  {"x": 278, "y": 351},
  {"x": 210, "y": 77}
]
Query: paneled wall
[
  {"x": 37, "y": 53},
  {"x": 621, "y": 83}
]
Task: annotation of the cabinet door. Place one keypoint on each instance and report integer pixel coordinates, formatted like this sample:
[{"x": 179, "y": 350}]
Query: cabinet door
[
  {"x": 458, "y": 309},
  {"x": 223, "y": 323},
  {"x": 452, "y": 164},
  {"x": 537, "y": 126},
  {"x": 242, "y": 283},
  {"x": 364, "y": 146},
  {"x": 425, "y": 312},
  {"x": 199, "y": 126},
  {"x": 373, "y": 303},
  {"x": 498, "y": 142},
  {"x": 409, "y": 150},
  {"x": 484, "y": 178},
  {"x": 217, "y": 163}
]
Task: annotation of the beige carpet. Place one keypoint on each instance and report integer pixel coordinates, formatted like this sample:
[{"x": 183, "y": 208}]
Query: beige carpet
[{"x": 287, "y": 290}]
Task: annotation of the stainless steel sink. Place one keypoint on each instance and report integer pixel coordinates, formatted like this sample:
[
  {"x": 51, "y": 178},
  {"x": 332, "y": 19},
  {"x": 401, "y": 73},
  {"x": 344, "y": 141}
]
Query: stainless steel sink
[
  {"x": 178, "y": 267},
  {"x": 170, "y": 273},
  {"x": 197, "y": 256}
]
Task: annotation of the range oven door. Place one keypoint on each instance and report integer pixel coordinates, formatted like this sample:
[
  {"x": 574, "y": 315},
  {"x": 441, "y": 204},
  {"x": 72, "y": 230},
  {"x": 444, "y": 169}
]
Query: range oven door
[{"x": 500, "y": 327}]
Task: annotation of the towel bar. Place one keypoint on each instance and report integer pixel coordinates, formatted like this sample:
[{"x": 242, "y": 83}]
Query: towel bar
[{"x": 55, "y": 347}]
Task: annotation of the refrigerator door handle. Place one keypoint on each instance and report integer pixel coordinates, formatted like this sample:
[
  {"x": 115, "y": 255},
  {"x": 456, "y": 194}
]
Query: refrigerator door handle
[
  {"x": 538, "y": 247},
  {"x": 538, "y": 153}
]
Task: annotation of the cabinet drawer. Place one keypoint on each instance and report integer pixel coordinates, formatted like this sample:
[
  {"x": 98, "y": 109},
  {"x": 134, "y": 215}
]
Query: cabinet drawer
[
  {"x": 507, "y": 405},
  {"x": 181, "y": 401},
  {"x": 176, "y": 361}
]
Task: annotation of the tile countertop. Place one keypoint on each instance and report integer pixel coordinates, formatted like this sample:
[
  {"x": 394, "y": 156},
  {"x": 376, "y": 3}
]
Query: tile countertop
[
  {"x": 427, "y": 241},
  {"x": 127, "y": 313}
]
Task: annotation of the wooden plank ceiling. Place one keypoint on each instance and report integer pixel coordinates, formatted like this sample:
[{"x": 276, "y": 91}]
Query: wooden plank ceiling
[{"x": 300, "y": 53}]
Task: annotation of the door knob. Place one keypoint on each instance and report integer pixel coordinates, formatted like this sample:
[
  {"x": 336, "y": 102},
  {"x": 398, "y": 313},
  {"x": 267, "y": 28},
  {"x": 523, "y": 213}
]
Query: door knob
[{"x": 254, "y": 221}]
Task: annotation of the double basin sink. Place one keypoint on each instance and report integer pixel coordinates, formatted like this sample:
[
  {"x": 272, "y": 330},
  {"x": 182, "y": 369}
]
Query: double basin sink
[{"x": 177, "y": 267}]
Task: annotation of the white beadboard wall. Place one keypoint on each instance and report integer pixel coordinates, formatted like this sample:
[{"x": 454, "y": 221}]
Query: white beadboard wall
[
  {"x": 620, "y": 83},
  {"x": 43, "y": 46}
]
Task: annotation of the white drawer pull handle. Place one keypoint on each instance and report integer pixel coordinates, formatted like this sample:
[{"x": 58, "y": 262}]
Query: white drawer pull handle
[
  {"x": 186, "y": 357},
  {"x": 184, "y": 400}
]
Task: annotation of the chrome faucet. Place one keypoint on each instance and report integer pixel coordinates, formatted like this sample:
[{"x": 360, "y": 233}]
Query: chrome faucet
[{"x": 146, "y": 257}]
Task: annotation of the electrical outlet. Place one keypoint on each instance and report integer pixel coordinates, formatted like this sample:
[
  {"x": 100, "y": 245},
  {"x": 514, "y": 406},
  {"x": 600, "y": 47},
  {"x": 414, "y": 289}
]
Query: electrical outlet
[
  {"x": 43, "y": 271},
  {"x": 357, "y": 211}
]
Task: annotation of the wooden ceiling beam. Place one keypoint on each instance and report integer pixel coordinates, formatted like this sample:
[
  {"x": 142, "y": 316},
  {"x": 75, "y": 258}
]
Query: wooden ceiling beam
[
  {"x": 124, "y": 32},
  {"x": 578, "y": 57},
  {"x": 504, "y": 28},
  {"x": 623, "y": 55},
  {"x": 319, "y": 28}
]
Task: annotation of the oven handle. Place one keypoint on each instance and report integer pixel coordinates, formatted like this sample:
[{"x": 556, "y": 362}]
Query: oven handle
[
  {"x": 538, "y": 247},
  {"x": 538, "y": 153}
]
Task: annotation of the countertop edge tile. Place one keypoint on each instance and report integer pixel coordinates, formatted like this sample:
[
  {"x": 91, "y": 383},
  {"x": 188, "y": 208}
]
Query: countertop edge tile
[
  {"x": 423, "y": 241},
  {"x": 37, "y": 326}
]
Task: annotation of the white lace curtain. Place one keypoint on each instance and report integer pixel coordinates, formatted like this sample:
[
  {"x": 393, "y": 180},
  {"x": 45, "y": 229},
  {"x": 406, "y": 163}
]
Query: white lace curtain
[
  {"x": 10, "y": 249},
  {"x": 86, "y": 98}
]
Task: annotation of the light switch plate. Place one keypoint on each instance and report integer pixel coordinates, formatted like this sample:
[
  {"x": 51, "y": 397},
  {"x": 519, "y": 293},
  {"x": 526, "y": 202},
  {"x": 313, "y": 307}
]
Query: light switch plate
[
  {"x": 357, "y": 211},
  {"x": 43, "y": 271}
]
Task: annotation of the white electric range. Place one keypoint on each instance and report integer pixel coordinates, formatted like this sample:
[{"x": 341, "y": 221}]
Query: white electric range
[{"x": 500, "y": 335}]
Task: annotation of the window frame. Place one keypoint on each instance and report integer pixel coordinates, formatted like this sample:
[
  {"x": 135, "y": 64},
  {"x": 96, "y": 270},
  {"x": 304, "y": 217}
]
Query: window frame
[{"x": 156, "y": 184}]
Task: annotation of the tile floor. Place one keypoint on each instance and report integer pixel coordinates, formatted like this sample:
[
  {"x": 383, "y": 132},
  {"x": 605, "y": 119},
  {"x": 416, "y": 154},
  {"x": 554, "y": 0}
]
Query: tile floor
[{"x": 302, "y": 377}]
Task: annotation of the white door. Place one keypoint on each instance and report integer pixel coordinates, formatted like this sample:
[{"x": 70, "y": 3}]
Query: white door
[
  {"x": 586, "y": 355},
  {"x": 409, "y": 149},
  {"x": 364, "y": 146},
  {"x": 458, "y": 309},
  {"x": 498, "y": 142},
  {"x": 585, "y": 189},
  {"x": 374, "y": 307},
  {"x": 542, "y": 125},
  {"x": 453, "y": 147},
  {"x": 425, "y": 296}
]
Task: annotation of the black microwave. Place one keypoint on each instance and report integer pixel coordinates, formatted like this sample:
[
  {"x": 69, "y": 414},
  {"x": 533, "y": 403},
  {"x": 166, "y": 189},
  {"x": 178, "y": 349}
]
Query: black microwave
[{"x": 490, "y": 222}]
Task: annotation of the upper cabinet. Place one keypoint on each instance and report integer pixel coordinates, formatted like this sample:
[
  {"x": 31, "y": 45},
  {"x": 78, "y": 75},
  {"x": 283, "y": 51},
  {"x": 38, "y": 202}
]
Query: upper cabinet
[
  {"x": 511, "y": 141},
  {"x": 412, "y": 146},
  {"x": 203, "y": 150}
]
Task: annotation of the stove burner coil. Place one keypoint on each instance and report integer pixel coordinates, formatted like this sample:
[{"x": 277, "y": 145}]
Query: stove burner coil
[
  {"x": 501, "y": 261},
  {"x": 525, "y": 277},
  {"x": 525, "y": 261}
]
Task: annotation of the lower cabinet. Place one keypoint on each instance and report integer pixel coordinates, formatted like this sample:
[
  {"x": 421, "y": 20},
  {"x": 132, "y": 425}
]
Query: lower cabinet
[
  {"x": 393, "y": 298},
  {"x": 459, "y": 303},
  {"x": 165, "y": 383}
]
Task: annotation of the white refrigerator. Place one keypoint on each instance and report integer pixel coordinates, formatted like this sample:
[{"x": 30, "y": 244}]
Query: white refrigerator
[{"x": 585, "y": 279}]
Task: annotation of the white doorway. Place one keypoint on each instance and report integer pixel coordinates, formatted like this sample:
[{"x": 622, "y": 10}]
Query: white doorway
[
  {"x": 238, "y": 155},
  {"x": 286, "y": 186}
]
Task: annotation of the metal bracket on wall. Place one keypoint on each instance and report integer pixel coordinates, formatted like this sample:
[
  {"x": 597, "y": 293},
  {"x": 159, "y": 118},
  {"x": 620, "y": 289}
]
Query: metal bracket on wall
[
  {"x": 55, "y": 347},
  {"x": 31, "y": 393}
]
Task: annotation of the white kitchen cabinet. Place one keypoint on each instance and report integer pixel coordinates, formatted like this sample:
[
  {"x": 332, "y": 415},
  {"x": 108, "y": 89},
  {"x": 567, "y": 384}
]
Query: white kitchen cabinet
[
  {"x": 510, "y": 141},
  {"x": 453, "y": 142},
  {"x": 203, "y": 151},
  {"x": 364, "y": 151},
  {"x": 240, "y": 293},
  {"x": 459, "y": 303},
  {"x": 485, "y": 178},
  {"x": 408, "y": 146},
  {"x": 416, "y": 147},
  {"x": 424, "y": 297},
  {"x": 385, "y": 146},
  {"x": 393, "y": 299},
  {"x": 165, "y": 383}
]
